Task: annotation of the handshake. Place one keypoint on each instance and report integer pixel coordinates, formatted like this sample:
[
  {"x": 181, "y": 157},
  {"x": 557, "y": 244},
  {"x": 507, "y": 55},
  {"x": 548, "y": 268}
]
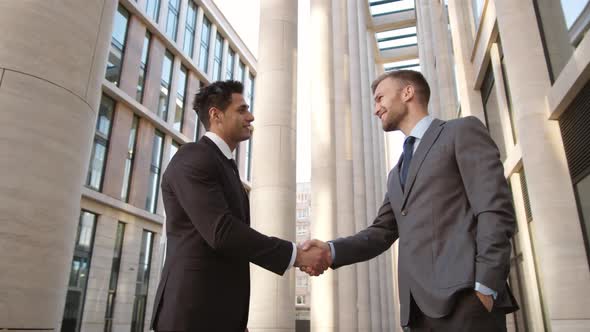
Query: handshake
[{"x": 313, "y": 257}]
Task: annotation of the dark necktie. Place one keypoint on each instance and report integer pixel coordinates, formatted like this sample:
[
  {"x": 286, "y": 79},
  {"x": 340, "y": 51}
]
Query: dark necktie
[
  {"x": 408, "y": 151},
  {"x": 235, "y": 167}
]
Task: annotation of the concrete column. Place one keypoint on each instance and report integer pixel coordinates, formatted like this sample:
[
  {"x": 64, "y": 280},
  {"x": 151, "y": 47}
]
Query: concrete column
[
  {"x": 394, "y": 271},
  {"x": 115, "y": 165},
  {"x": 153, "y": 77},
  {"x": 427, "y": 53},
  {"x": 132, "y": 57},
  {"x": 44, "y": 89},
  {"x": 181, "y": 23},
  {"x": 459, "y": 20},
  {"x": 559, "y": 246},
  {"x": 369, "y": 168},
  {"x": 500, "y": 90},
  {"x": 127, "y": 278},
  {"x": 324, "y": 291},
  {"x": 141, "y": 164},
  {"x": 531, "y": 296},
  {"x": 174, "y": 84},
  {"x": 347, "y": 278},
  {"x": 358, "y": 165},
  {"x": 444, "y": 68},
  {"x": 190, "y": 122},
  {"x": 272, "y": 306}
]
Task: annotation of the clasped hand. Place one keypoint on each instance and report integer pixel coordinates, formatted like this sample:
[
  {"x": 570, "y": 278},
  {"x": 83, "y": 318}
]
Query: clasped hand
[{"x": 313, "y": 257}]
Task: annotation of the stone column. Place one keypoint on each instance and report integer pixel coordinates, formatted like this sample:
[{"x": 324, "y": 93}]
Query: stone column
[
  {"x": 49, "y": 97},
  {"x": 557, "y": 235},
  {"x": 444, "y": 70},
  {"x": 347, "y": 278},
  {"x": 272, "y": 306},
  {"x": 369, "y": 168},
  {"x": 463, "y": 41},
  {"x": 324, "y": 290},
  {"x": 427, "y": 53},
  {"x": 358, "y": 165}
]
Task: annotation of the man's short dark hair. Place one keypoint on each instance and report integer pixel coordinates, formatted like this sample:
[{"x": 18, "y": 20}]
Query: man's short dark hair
[
  {"x": 218, "y": 95},
  {"x": 407, "y": 77}
]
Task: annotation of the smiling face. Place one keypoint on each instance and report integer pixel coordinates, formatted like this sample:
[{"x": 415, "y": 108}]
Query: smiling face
[
  {"x": 233, "y": 125},
  {"x": 391, "y": 103}
]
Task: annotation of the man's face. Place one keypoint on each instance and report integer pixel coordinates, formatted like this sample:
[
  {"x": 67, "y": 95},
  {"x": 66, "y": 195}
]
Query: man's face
[
  {"x": 236, "y": 120},
  {"x": 390, "y": 103}
]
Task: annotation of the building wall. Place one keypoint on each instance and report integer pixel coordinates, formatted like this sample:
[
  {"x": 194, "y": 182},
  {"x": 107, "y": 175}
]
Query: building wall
[
  {"x": 107, "y": 202},
  {"x": 520, "y": 70}
]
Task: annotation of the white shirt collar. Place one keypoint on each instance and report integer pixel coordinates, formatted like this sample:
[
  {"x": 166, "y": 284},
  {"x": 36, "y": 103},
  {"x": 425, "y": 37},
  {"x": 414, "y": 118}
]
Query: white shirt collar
[
  {"x": 421, "y": 127},
  {"x": 220, "y": 144}
]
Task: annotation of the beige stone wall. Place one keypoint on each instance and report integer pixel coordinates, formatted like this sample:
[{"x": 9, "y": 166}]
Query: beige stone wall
[
  {"x": 554, "y": 276},
  {"x": 49, "y": 98}
]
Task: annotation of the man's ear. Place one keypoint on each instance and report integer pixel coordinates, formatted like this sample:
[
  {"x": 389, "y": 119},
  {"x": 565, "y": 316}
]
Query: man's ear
[
  {"x": 214, "y": 114},
  {"x": 409, "y": 92}
]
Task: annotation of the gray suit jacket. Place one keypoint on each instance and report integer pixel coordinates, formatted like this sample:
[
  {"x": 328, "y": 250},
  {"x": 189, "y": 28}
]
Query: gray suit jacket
[{"x": 454, "y": 221}]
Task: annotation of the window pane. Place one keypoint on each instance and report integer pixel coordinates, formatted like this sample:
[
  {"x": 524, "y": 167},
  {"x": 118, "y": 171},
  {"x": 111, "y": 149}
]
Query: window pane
[
  {"x": 229, "y": 73},
  {"x": 129, "y": 160},
  {"x": 115, "y": 57},
  {"x": 387, "y": 7},
  {"x": 172, "y": 22},
  {"x": 165, "y": 85},
  {"x": 80, "y": 268},
  {"x": 101, "y": 141},
  {"x": 241, "y": 72},
  {"x": 96, "y": 168},
  {"x": 115, "y": 266},
  {"x": 180, "y": 99},
  {"x": 153, "y": 9},
  {"x": 142, "y": 283},
  {"x": 217, "y": 57},
  {"x": 189, "y": 32},
  {"x": 143, "y": 66},
  {"x": 154, "y": 178},
  {"x": 105, "y": 116},
  {"x": 204, "y": 50}
]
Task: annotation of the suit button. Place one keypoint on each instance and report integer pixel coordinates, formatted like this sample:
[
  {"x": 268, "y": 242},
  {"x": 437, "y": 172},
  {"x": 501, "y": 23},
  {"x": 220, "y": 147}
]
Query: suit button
[{"x": 404, "y": 213}]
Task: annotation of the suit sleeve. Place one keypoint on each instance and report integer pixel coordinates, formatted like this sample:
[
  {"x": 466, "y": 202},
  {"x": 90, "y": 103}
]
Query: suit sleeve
[
  {"x": 369, "y": 242},
  {"x": 482, "y": 173},
  {"x": 196, "y": 184}
]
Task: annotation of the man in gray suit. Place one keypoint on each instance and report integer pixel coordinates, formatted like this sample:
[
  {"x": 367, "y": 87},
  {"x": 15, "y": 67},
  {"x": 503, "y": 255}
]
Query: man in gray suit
[{"x": 449, "y": 204}]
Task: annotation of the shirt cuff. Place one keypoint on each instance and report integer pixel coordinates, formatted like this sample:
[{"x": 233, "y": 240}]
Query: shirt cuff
[
  {"x": 332, "y": 250},
  {"x": 293, "y": 256},
  {"x": 485, "y": 290}
]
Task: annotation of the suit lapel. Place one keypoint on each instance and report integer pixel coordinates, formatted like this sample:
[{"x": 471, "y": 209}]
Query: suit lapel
[
  {"x": 426, "y": 143},
  {"x": 233, "y": 176}
]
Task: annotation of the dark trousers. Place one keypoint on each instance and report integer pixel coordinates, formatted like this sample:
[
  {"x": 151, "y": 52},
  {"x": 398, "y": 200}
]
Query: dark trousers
[{"x": 469, "y": 315}]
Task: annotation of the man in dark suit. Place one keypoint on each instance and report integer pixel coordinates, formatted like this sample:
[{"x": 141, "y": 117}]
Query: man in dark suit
[
  {"x": 205, "y": 282},
  {"x": 449, "y": 204}
]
